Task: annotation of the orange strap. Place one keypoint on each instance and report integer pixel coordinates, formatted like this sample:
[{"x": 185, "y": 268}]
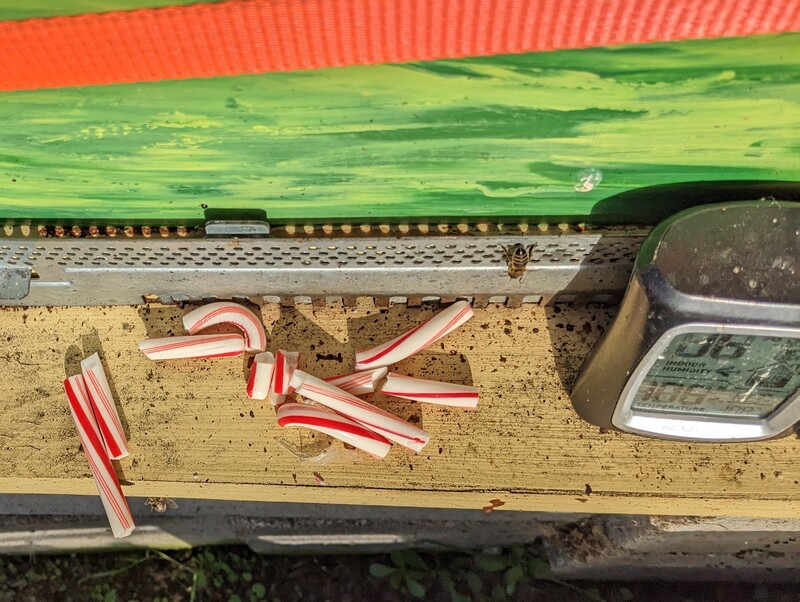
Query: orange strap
[{"x": 256, "y": 36}]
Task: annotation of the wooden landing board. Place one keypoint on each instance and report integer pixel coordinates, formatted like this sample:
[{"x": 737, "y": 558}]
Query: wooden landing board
[{"x": 194, "y": 433}]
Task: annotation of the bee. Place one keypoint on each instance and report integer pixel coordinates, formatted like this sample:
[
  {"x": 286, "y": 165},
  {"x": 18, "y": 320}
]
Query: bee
[
  {"x": 517, "y": 257},
  {"x": 160, "y": 504}
]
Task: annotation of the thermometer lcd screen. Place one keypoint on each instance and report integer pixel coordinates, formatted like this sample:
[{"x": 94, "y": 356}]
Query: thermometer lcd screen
[{"x": 729, "y": 375}]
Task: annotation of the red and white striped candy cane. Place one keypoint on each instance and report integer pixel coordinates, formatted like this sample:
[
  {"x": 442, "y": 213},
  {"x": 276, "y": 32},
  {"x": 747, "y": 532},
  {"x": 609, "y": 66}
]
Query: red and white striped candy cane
[
  {"x": 285, "y": 364},
  {"x": 330, "y": 423},
  {"x": 225, "y": 312},
  {"x": 104, "y": 408},
  {"x": 117, "y": 510},
  {"x": 358, "y": 383},
  {"x": 431, "y": 391},
  {"x": 198, "y": 346},
  {"x": 416, "y": 339},
  {"x": 261, "y": 375},
  {"x": 378, "y": 420}
]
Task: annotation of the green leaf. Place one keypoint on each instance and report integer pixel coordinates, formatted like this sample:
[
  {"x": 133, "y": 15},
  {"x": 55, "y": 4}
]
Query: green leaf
[
  {"x": 474, "y": 582},
  {"x": 512, "y": 577},
  {"x": 32, "y": 575},
  {"x": 200, "y": 580},
  {"x": 111, "y": 596},
  {"x": 258, "y": 591},
  {"x": 415, "y": 588},
  {"x": 398, "y": 559},
  {"x": 491, "y": 563},
  {"x": 625, "y": 594},
  {"x": 447, "y": 580},
  {"x": 414, "y": 560},
  {"x": 232, "y": 575},
  {"x": 498, "y": 593},
  {"x": 396, "y": 579},
  {"x": 234, "y": 598},
  {"x": 594, "y": 594},
  {"x": 539, "y": 569},
  {"x": 247, "y": 576},
  {"x": 380, "y": 570}
]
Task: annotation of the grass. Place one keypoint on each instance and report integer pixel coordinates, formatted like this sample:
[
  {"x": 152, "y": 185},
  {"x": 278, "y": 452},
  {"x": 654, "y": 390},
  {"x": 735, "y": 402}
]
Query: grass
[
  {"x": 236, "y": 574},
  {"x": 476, "y": 576}
]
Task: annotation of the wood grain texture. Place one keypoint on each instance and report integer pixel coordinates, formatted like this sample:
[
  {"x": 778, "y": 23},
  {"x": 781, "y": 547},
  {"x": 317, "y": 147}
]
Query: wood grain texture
[
  {"x": 501, "y": 137},
  {"x": 194, "y": 433}
]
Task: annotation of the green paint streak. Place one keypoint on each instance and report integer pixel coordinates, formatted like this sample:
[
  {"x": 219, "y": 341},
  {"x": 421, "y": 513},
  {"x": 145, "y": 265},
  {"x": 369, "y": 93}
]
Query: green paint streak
[
  {"x": 501, "y": 137},
  {"x": 12, "y": 10}
]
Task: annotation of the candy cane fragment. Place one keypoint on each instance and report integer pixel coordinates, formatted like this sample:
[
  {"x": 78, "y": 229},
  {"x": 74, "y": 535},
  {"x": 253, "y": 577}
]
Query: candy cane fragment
[
  {"x": 285, "y": 364},
  {"x": 261, "y": 375},
  {"x": 416, "y": 339},
  {"x": 198, "y": 346},
  {"x": 378, "y": 420},
  {"x": 330, "y": 423},
  {"x": 358, "y": 383},
  {"x": 431, "y": 391},
  {"x": 104, "y": 408},
  {"x": 116, "y": 507},
  {"x": 225, "y": 312}
]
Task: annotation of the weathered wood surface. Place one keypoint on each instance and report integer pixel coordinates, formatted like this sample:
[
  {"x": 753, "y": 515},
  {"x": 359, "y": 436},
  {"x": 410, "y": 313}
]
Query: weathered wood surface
[
  {"x": 194, "y": 433},
  {"x": 502, "y": 137}
]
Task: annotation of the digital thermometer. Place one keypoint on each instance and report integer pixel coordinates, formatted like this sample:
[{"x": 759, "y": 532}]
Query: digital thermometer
[{"x": 706, "y": 344}]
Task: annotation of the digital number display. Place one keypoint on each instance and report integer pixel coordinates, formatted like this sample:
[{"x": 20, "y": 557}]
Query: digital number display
[{"x": 730, "y": 375}]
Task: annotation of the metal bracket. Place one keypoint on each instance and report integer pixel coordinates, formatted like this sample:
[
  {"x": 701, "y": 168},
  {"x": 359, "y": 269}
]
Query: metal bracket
[
  {"x": 122, "y": 271},
  {"x": 237, "y": 229}
]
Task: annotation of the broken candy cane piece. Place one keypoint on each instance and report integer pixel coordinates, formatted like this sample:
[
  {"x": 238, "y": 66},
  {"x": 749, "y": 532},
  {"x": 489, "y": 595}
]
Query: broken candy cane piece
[
  {"x": 198, "y": 346},
  {"x": 224, "y": 312},
  {"x": 358, "y": 383},
  {"x": 431, "y": 391},
  {"x": 117, "y": 510},
  {"x": 330, "y": 423},
  {"x": 285, "y": 364},
  {"x": 416, "y": 339},
  {"x": 261, "y": 376},
  {"x": 382, "y": 422},
  {"x": 104, "y": 408}
]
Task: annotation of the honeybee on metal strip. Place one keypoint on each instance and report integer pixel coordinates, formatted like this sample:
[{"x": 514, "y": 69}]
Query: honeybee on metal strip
[
  {"x": 517, "y": 257},
  {"x": 160, "y": 504}
]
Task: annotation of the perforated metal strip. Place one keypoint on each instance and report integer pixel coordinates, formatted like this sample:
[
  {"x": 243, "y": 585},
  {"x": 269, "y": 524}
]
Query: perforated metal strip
[{"x": 112, "y": 271}]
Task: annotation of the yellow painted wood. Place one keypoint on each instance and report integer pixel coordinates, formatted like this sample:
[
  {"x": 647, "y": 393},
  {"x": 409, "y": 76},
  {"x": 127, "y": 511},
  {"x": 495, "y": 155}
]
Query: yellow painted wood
[{"x": 192, "y": 433}]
